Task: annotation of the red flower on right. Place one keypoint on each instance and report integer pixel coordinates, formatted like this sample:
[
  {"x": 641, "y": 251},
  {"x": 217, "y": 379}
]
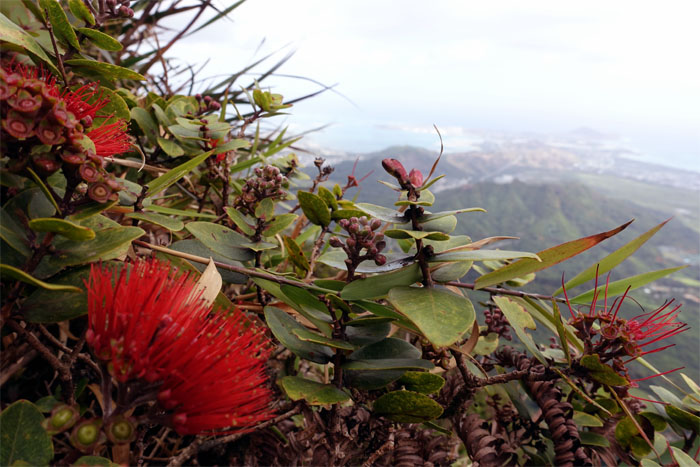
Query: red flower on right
[{"x": 618, "y": 341}]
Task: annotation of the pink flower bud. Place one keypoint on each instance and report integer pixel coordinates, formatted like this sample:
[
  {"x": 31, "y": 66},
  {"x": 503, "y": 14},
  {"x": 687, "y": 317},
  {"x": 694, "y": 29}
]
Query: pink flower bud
[
  {"x": 395, "y": 168},
  {"x": 416, "y": 178}
]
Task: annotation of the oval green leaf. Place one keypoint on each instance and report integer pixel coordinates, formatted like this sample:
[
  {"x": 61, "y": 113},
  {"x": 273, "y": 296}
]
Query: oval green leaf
[
  {"x": 442, "y": 316},
  {"x": 59, "y": 22},
  {"x": 314, "y": 393},
  {"x": 315, "y": 209},
  {"x": 24, "y": 440},
  {"x": 407, "y": 407},
  {"x": 107, "y": 69},
  {"x": 380, "y": 285},
  {"x": 282, "y": 326},
  {"x": 221, "y": 240},
  {"x": 174, "y": 225},
  {"x": 101, "y": 40},
  {"x": 421, "y": 381}
]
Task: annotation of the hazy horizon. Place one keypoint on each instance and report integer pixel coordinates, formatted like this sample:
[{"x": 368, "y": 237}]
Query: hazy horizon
[{"x": 543, "y": 67}]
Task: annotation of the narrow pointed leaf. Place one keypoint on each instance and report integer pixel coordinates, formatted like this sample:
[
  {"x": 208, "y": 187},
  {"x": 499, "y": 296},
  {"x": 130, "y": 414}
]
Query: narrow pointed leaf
[
  {"x": 619, "y": 287},
  {"x": 314, "y": 393},
  {"x": 175, "y": 174},
  {"x": 482, "y": 255},
  {"x": 613, "y": 259},
  {"x": 7, "y": 271},
  {"x": 549, "y": 257},
  {"x": 62, "y": 227}
]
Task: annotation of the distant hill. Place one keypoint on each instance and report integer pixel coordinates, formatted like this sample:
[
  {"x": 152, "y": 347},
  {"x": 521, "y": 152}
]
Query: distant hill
[{"x": 548, "y": 203}]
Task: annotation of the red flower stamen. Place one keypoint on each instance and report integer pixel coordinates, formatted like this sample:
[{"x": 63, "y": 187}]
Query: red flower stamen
[
  {"x": 658, "y": 374},
  {"x": 210, "y": 365},
  {"x": 110, "y": 139}
]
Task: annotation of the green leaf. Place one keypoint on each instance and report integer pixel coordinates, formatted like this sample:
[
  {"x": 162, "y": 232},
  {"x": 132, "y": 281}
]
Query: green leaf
[
  {"x": 426, "y": 199},
  {"x": 240, "y": 221},
  {"x": 62, "y": 227},
  {"x": 420, "y": 381},
  {"x": 657, "y": 421},
  {"x": 90, "y": 209},
  {"x": 365, "y": 331},
  {"x": 626, "y": 431},
  {"x": 47, "y": 306},
  {"x": 585, "y": 419},
  {"x": 175, "y": 174},
  {"x": 221, "y": 239},
  {"x": 278, "y": 224},
  {"x": 59, "y": 22},
  {"x": 197, "y": 248},
  {"x": 310, "y": 307},
  {"x": 609, "y": 262},
  {"x": 312, "y": 392},
  {"x": 481, "y": 255},
  {"x": 174, "y": 225},
  {"x": 549, "y": 257},
  {"x": 282, "y": 326},
  {"x": 7, "y": 271},
  {"x": 442, "y": 316},
  {"x": 309, "y": 336},
  {"x": 684, "y": 418},
  {"x": 295, "y": 254},
  {"x": 346, "y": 214},
  {"x": 10, "y": 32},
  {"x": 619, "y": 287},
  {"x": 378, "y": 375},
  {"x": 146, "y": 123},
  {"x": 601, "y": 372},
  {"x": 407, "y": 407},
  {"x": 486, "y": 344},
  {"x": 13, "y": 233},
  {"x": 24, "y": 440},
  {"x": 439, "y": 215},
  {"x": 385, "y": 214},
  {"x": 106, "y": 69},
  {"x": 101, "y": 40},
  {"x": 691, "y": 384},
  {"x": 446, "y": 272},
  {"x": 388, "y": 364},
  {"x": 82, "y": 12},
  {"x": 683, "y": 459},
  {"x": 651, "y": 463},
  {"x": 315, "y": 209},
  {"x": 416, "y": 234},
  {"x": 380, "y": 285},
  {"x": 265, "y": 209},
  {"x": 178, "y": 212},
  {"x": 170, "y": 147},
  {"x": 108, "y": 243},
  {"x": 335, "y": 258},
  {"x": 520, "y": 320},
  {"x": 590, "y": 438},
  {"x": 328, "y": 197}
]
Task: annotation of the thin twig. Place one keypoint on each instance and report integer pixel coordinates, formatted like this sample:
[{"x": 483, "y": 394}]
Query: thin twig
[
  {"x": 200, "y": 443},
  {"x": 500, "y": 291},
  {"x": 55, "y": 48}
]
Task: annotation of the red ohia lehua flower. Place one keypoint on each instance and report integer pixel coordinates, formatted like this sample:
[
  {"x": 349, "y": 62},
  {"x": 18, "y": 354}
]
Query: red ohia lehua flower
[
  {"x": 204, "y": 368},
  {"x": 35, "y": 110},
  {"x": 619, "y": 341}
]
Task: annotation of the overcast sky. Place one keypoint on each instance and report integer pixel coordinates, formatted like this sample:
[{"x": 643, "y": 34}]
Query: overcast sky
[{"x": 628, "y": 68}]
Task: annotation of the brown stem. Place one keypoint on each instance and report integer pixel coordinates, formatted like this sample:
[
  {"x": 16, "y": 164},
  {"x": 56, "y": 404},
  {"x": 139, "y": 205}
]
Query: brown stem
[
  {"x": 55, "y": 48},
  {"x": 501, "y": 291},
  {"x": 315, "y": 251},
  {"x": 62, "y": 369}
]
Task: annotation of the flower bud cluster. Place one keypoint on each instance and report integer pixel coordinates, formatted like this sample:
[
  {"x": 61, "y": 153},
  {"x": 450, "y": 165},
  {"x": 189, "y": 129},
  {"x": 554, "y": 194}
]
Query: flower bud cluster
[
  {"x": 119, "y": 8},
  {"x": 408, "y": 181},
  {"x": 206, "y": 104},
  {"x": 362, "y": 237},
  {"x": 497, "y": 322},
  {"x": 46, "y": 129},
  {"x": 267, "y": 183}
]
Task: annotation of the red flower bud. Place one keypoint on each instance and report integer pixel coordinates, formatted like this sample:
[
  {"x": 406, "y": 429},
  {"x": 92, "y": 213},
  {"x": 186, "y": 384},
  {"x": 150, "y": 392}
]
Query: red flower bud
[
  {"x": 89, "y": 173},
  {"x": 415, "y": 177},
  {"x": 24, "y": 102},
  {"x": 380, "y": 260},
  {"x": 395, "y": 169}
]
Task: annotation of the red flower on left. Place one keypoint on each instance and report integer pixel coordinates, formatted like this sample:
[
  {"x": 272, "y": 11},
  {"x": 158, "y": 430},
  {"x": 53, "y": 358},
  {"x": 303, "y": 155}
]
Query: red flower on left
[
  {"x": 204, "y": 368},
  {"x": 49, "y": 128}
]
